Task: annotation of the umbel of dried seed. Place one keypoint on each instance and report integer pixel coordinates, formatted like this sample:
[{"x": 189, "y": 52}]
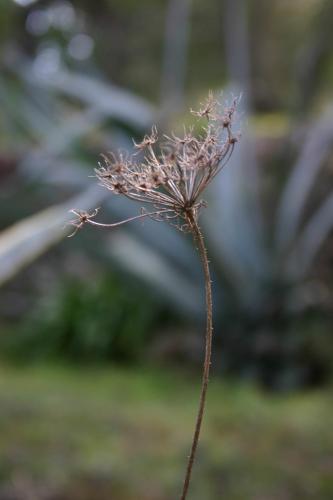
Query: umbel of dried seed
[{"x": 172, "y": 180}]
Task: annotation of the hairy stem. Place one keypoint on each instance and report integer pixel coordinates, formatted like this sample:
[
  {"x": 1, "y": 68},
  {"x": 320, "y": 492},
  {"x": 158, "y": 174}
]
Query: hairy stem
[{"x": 199, "y": 240}]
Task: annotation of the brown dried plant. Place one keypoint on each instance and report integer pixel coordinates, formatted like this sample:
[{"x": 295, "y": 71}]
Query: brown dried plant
[{"x": 171, "y": 182}]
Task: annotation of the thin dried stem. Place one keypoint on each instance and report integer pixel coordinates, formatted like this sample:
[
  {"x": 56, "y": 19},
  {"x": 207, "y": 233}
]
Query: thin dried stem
[
  {"x": 199, "y": 240},
  {"x": 86, "y": 218}
]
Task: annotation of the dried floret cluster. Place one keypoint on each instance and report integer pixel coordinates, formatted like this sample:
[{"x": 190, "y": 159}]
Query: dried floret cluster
[{"x": 173, "y": 179}]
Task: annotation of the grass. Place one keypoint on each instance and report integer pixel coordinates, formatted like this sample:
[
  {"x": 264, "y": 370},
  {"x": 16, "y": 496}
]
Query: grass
[{"x": 113, "y": 434}]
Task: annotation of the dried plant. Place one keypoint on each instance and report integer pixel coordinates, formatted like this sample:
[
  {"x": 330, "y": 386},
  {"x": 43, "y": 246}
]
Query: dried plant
[{"x": 171, "y": 182}]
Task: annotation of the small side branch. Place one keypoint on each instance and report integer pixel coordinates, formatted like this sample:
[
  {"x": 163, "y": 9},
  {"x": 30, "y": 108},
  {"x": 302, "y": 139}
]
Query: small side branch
[{"x": 83, "y": 218}]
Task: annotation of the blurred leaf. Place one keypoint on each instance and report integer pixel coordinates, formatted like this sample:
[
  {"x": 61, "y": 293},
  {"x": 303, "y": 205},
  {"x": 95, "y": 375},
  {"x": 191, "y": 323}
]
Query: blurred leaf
[
  {"x": 314, "y": 234},
  {"x": 108, "y": 99},
  {"x": 26, "y": 240},
  {"x": 317, "y": 146},
  {"x": 150, "y": 266}
]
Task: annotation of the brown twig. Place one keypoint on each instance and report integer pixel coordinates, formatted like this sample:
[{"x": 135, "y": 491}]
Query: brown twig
[{"x": 198, "y": 237}]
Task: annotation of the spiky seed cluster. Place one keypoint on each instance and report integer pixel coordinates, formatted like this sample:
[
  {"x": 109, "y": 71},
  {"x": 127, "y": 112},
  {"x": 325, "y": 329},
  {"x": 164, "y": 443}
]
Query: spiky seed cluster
[{"x": 173, "y": 179}]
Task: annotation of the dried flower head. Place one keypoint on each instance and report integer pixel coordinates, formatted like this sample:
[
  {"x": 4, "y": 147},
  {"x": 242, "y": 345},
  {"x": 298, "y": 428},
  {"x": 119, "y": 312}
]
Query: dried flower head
[{"x": 173, "y": 179}]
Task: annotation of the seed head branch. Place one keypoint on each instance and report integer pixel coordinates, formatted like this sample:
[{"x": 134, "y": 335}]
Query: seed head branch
[{"x": 83, "y": 218}]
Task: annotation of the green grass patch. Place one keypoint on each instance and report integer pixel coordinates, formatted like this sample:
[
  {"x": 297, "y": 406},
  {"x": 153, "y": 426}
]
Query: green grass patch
[{"x": 124, "y": 434}]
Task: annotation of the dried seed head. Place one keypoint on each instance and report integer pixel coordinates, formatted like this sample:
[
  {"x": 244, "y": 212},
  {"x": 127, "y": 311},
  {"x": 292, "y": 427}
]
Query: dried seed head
[
  {"x": 157, "y": 179},
  {"x": 208, "y": 108},
  {"x": 148, "y": 140},
  {"x": 225, "y": 121},
  {"x": 233, "y": 139},
  {"x": 173, "y": 179},
  {"x": 119, "y": 188}
]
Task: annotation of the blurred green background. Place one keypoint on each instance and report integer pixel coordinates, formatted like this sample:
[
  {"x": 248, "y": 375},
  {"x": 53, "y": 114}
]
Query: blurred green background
[{"x": 101, "y": 335}]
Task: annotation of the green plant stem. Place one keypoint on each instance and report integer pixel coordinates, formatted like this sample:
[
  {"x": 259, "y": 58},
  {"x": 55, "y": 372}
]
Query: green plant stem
[{"x": 199, "y": 240}]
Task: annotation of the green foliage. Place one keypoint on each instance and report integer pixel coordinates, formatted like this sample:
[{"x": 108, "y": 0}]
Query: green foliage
[
  {"x": 87, "y": 321},
  {"x": 125, "y": 434}
]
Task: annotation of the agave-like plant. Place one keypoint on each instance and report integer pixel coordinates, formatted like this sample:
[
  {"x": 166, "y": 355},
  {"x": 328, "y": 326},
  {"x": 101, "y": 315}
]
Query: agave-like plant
[{"x": 249, "y": 248}]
